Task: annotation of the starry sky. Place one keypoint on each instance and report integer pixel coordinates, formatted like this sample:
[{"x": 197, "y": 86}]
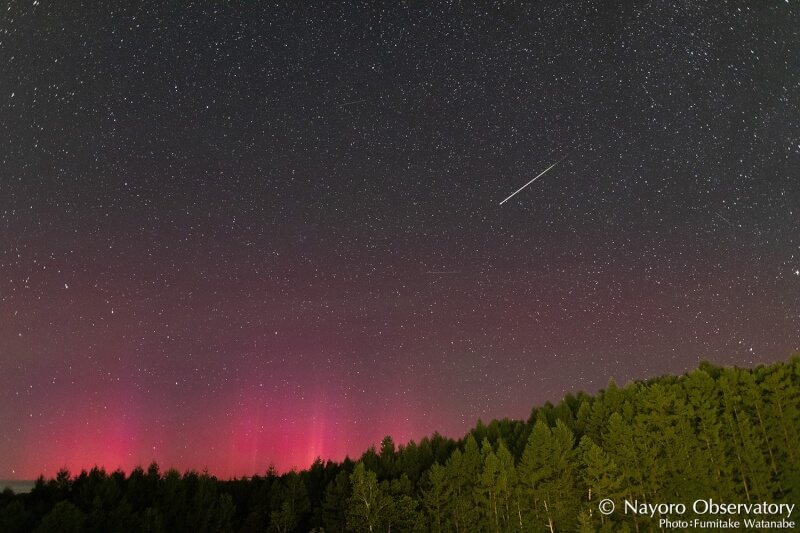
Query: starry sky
[{"x": 252, "y": 233}]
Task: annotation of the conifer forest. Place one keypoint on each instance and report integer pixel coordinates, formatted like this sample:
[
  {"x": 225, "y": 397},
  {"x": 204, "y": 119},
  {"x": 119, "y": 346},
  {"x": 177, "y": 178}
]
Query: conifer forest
[
  {"x": 727, "y": 435},
  {"x": 506, "y": 266}
]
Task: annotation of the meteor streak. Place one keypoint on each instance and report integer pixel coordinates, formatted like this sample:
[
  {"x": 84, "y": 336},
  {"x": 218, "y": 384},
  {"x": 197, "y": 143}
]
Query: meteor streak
[
  {"x": 725, "y": 219},
  {"x": 536, "y": 178},
  {"x": 353, "y": 102}
]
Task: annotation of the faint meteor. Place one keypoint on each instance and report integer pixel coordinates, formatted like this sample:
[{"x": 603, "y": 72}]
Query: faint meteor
[
  {"x": 648, "y": 94},
  {"x": 726, "y": 220},
  {"x": 536, "y": 178},
  {"x": 443, "y": 272},
  {"x": 353, "y": 102}
]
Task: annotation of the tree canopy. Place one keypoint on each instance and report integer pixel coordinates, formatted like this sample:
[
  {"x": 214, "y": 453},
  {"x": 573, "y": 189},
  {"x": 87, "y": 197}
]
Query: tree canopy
[{"x": 728, "y": 434}]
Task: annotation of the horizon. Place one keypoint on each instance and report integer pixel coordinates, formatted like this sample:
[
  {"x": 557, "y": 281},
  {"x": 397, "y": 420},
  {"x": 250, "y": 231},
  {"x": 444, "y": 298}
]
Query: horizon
[
  {"x": 376, "y": 444},
  {"x": 713, "y": 446},
  {"x": 242, "y": 235},
  {"x": 282, "y": 469}
]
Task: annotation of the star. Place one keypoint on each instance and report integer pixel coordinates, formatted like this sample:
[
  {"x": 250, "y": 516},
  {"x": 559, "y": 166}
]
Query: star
[{"x": 290, "y": 208}]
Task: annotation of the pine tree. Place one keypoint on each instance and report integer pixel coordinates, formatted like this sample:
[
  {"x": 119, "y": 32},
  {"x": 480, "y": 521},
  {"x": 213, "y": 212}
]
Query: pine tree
[
  {"x": 335, "y": 504},
  {"x": 508, "y": 491},
  {"x": 704, "y": 403},
  {"x": 402, "y": 514},
  {"x": 172, "y": 501},
  {"x": 225, "y": 514},
  {"x": 387, "y": 459},
  {"x": 748, "y": 445},
  {"x": 290, "y": 504},
  {"x": 369, "y": 503},
  {"x": 619, "y": 443},
  {"x": 547, "y": 477},
  {"x": 601, "y": 477},
  {"x": 782, "y": 399},
  {"x": 486, "y": 492},
  {"x": 437, "y": 498},
  {"x": 202, "y": 512},
  {"x": 463, "y": 471}
]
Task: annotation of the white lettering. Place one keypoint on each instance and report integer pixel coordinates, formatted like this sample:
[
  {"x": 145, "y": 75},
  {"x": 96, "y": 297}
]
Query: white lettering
[
  {"x": 768, "y": 524},
  {"x": 711, "y": 507},
  {"x": 651, "y": 509}
]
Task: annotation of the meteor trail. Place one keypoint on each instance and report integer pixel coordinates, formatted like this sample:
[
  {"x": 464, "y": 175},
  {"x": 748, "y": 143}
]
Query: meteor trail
[
  {"x": 725, "y": 219},
  {"x": 353, "y": 102},
  {"x": 536, "y": 178}
]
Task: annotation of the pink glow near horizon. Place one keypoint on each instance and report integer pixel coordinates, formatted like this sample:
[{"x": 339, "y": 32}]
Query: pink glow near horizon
[{"x": 240, "y": 436}]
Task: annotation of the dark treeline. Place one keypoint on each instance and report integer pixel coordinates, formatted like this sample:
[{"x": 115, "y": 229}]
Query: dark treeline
[{"x": 724, "y": 433}]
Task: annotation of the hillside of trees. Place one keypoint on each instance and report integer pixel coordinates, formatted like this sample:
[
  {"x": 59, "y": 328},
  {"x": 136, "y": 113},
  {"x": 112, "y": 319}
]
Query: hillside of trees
[{"x": 729, "y": 434}]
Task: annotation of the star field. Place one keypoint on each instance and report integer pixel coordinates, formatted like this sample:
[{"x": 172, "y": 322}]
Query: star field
[{"x": 242, "y": 235}]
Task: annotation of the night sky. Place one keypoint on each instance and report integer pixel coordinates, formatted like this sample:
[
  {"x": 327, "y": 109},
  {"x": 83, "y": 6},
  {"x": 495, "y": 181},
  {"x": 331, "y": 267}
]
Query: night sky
[{"x": 252, "y": 234}]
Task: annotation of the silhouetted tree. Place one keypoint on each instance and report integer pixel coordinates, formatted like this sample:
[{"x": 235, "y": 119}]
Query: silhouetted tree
[
  {"x": 64, "y": 518},
  {"x": 727, "y": 433}
]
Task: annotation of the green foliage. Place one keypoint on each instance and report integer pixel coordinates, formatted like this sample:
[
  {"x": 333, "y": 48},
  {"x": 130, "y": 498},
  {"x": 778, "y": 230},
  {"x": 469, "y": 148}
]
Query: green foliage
[
  {"x": 64, "y": 518},
  {"x": 548, "y": 475},
  {"x": 290, "y": 503},
  {"x": 368, "y": 507},
  {"x": 334, "y": 505},
  {"x": 724, "y": 433},
  {"x": 437, "y": 498}
]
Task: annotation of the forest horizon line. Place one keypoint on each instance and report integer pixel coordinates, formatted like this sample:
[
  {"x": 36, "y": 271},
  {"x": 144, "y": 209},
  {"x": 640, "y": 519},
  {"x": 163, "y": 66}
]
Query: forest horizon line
[
  {"x": 271, "y": 467},
  {"x": 725, "y": 434}
]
